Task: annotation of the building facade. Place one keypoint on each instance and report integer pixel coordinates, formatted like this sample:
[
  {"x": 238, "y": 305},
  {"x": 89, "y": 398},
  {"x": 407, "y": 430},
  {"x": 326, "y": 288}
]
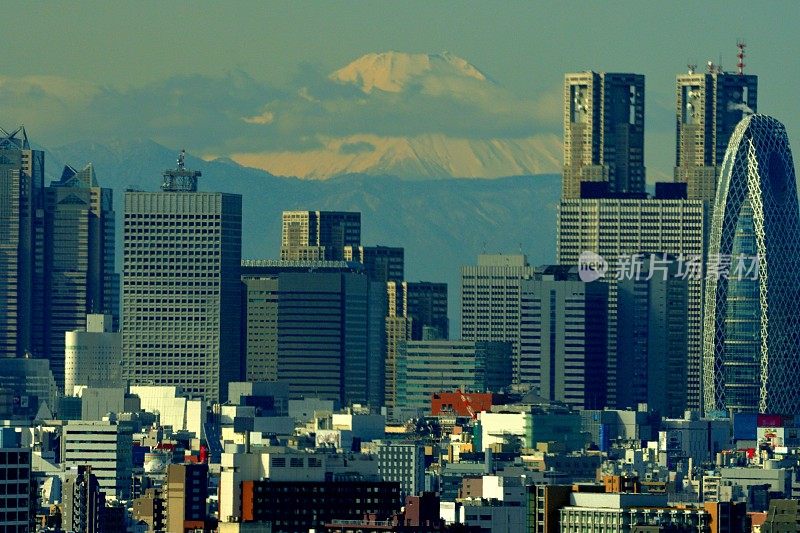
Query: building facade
[
  {"x": 603, "y": 131},
  {"x": 620, "y": 230},
  {"x": 752, "y": 333},
  {"x": 319, "y": 331},
  {"x": 490, "y": 299},
  {"x": 105, "y": 447},
  {"x": 79, "y": 258},
  {"x": 16, "y": 511},
  {"x": 92, "y": 356},
  {"x": 319, "y": 235},
  {"x": 427, "y": 367},
  {"x": 652, "y": 340},
  {"x": 21, "y": 245},
  {"x": 709, "y": 105},
  {"x": 563, "y": 338},
  {"x": 182, "y": 287},
  {"x": 382, "y": 263}
]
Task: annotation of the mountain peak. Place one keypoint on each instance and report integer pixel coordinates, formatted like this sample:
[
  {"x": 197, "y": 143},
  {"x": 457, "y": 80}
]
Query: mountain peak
[{"x": 394, "y": 71}]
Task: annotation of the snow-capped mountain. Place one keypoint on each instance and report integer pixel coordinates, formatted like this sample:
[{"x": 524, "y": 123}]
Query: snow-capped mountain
[{"x": 414, "y": 116}]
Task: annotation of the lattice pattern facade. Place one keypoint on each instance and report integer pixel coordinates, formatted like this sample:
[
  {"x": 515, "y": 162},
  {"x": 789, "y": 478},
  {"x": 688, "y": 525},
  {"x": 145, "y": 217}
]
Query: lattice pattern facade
[{"x": 752, "y": 330}]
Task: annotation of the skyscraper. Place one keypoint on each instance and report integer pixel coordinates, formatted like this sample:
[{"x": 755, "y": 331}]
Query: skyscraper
[
  {"x": 751, "y": 343},
  {"x": 181, "y": 286},
  {"x": 319, "y": 235},
  {"x": 21, "y": 245},
  {"x": 603, "y": 131},
  {"x": 563, "y": 338},
  {"x": 382, "y": 263},
  {"x": 490, "y": 300},
  {"x": 79, "y": 258},
  {"x": 618, "y": 228},
  {"x": 315, "y": 329},
  {"x": 416, "y": 311},
  {"x": 652, "y": 338},
  {"x": 709, "y": 106}
]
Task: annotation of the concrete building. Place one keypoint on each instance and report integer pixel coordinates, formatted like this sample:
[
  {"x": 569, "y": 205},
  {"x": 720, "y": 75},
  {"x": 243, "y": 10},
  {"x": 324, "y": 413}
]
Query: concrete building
[
  {"x": 619, "y": 229},
  {"x": 403, "y": 463},
  {"x": 92, "y": 356},
  {"x": 692, "y": 437},
  {"x": 490, "y": 298},
  {"x": 84, "y": 501},
  {"x": 709, "y": 105},
  {"x": 751, "y": 336},
  {"x": 428, "y": 367},
  {"x": 16, "y": 511},
  {"x": 529, "y": 425},
  {"x": 652, "y": 346},
  {"x": 603, "y": 131},
  {"x": 260, "y": 327},
  {"x": 105, "y": 447},
  {"x": 174, "y": 407},
  {"x": 382, "y": 263},
  {"x": 628, "y": 513},
  {"x": 79, "y": 271},
  {"x": 562, "y": 338},
  {"x": 416, "y": 311},
  {"x": 21, "y": 245},
  {"x": 304, "y": 509},
  {"x": 319, "y": 235},
  {"x": 316, "y": 331},
  {"x": 185, "y": 492},
  {"x": 181, "y": 286}
]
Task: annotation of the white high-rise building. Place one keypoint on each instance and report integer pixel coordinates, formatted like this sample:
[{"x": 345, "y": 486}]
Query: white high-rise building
[
  {"x": 106, "y": 447},
  {"x": 181, "y": 287},
  {"x": 92, "y": 356},
  {"x": 490, "y": 299}
]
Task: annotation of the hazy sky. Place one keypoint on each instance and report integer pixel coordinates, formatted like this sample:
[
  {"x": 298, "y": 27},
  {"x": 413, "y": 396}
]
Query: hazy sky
[{"x": 99, "y": 67}]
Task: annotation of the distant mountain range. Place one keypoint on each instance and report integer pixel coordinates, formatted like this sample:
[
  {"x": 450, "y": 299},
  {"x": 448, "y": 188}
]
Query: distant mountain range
[
  {"x": 442, "y": 223},
  {"x": 466, "y": 125}
]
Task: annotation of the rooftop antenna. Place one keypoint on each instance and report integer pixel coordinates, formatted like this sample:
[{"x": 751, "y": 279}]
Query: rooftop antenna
[
  {"x": 740, "y": 65},
  {"x": 720, "y": 70},
  {"x": 180, "y": 179}
]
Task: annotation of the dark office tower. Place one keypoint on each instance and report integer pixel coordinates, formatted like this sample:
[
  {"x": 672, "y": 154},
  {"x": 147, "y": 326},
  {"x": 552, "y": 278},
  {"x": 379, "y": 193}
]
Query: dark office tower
[
  {"x": 181, "y": 286},
  {"x": 709, "y": 106},
  {"x": 79, "y": 258},
  {"x": 425, "y": 302},
  {"x": 319, "y": 235},
  {"x": 417, "y": 311},
  {"x": 603, "y": 131},
  {"x": 751, "y": 349},
  {"x": 382, "y": 263},
  {"x": 653, "y": 338},
  {"x": 563, "y": 338},
  {"x": 316, "y": 325},
  {"x": 21, "y": 245}
]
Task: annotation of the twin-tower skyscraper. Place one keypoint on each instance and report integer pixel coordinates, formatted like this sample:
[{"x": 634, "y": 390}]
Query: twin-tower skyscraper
[
  {"x": 604, "y": 128},
  {"x": 733, "y": 195}
]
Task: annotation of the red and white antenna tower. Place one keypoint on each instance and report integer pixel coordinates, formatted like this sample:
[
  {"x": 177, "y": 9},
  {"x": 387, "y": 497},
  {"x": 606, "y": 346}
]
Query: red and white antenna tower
[{"x": 741, "y": 46}]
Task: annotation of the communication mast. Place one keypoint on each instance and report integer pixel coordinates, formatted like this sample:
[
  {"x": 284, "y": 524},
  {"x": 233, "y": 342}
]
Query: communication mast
[{"x": 180, "y": 179}]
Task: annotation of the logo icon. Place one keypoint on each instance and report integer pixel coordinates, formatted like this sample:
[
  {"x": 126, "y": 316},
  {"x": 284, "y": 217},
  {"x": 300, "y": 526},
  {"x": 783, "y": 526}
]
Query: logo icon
[{"x": 591, "y": 266}]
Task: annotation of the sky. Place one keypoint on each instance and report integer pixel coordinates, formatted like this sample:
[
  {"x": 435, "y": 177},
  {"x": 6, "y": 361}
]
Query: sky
[{"x": 192, "y": 72}]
